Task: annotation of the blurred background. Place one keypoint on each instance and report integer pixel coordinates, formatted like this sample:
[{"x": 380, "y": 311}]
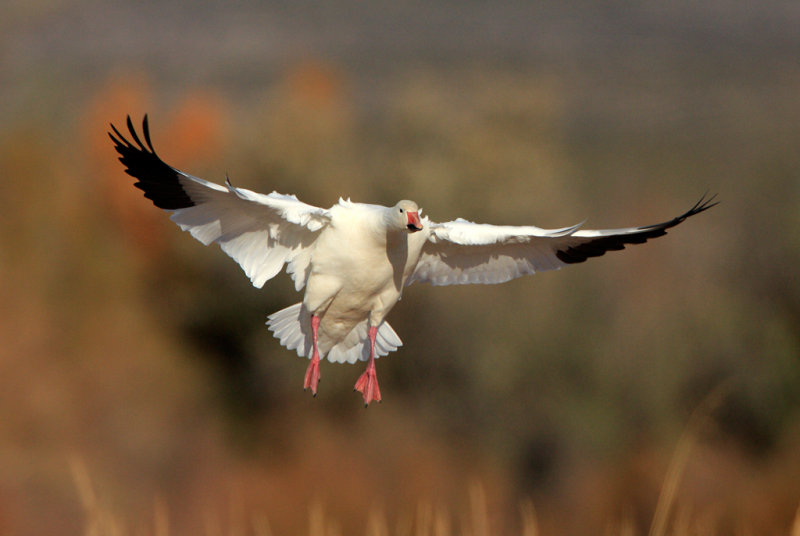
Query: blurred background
[{"x": 141, "y": 393}]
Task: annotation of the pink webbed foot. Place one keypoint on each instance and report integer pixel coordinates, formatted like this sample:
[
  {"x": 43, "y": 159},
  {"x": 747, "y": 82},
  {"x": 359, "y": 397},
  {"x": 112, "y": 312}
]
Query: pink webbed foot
[
  {"x": 312, "y": 375},
  {"x": 367, "y": 384},
  {"x": 312, "y": 372}
]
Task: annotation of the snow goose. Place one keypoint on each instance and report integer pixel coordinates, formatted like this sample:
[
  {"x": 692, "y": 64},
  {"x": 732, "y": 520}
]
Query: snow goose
[{"x": 355, "y": 259}]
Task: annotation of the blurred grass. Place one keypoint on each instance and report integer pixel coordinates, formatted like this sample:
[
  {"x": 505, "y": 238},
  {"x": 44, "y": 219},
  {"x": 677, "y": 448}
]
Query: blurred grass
[
  {"x": 129, "y": 347},
  {"x": 668, "y": 517}
]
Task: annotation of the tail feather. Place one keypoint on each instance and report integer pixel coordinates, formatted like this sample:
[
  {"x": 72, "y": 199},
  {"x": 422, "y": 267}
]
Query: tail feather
[
  {"x": 292, "y": 326},
  {"x": 287, "y": 326}
]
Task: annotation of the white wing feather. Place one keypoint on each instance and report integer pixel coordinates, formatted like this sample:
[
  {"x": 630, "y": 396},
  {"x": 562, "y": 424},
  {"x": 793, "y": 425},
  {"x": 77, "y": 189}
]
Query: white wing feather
[
  {"x": 461, "y": 252},
  {"x": 260, "y": 232}
]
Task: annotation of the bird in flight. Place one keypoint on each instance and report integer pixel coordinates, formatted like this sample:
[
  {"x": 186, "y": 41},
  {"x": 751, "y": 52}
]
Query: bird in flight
[{"x": 355, "y": 259}]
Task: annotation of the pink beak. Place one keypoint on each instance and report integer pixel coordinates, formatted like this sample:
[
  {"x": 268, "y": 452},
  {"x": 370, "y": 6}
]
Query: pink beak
[{"x": 414, "y": 224}]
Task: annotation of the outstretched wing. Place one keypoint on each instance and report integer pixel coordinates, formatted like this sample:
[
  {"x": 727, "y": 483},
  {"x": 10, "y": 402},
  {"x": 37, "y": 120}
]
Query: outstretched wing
[
  {"x": 461, "y": 252},
  {"x": 260, "y": 232}
]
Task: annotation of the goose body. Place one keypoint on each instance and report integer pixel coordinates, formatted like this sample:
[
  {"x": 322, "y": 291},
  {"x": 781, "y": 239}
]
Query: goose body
[
  {"x": 357, "y": 272},
  {"x": 355, "y": 259}
]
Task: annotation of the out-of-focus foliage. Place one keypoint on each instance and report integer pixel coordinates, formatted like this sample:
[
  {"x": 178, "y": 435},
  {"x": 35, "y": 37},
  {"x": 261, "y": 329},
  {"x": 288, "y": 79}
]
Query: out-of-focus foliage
[{"x": 130, "y": 353}]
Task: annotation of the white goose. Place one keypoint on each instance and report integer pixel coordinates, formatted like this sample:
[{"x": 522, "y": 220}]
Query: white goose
[{"x": 355, "y": 259}]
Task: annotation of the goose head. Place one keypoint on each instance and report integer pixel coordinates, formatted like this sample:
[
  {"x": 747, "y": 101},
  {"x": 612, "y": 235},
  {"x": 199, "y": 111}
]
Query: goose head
[{"x": 404, "y": 215}]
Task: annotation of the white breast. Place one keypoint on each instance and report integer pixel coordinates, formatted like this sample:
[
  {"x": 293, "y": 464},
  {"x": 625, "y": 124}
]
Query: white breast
[{"x": 358, "y": 270}]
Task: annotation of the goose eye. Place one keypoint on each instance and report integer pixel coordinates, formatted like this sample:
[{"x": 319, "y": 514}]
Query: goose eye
[{"x": 401, "y": 211}]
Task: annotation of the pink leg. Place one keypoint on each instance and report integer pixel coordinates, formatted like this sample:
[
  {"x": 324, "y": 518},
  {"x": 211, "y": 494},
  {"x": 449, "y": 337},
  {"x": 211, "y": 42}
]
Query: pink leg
[
  {"x": 312, "y": 372},
  {"x": 368, "y": 382}
]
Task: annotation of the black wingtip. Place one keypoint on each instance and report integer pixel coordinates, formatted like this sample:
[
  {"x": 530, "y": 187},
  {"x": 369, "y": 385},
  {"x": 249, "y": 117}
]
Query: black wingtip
[
  {"x": 598, "y": 247},
  {"x": 146, "y": 131},
  {"x": 133, "y": 133},
  {"x": 159, "y": 181},
  {"x": 705, "y": 203}
]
